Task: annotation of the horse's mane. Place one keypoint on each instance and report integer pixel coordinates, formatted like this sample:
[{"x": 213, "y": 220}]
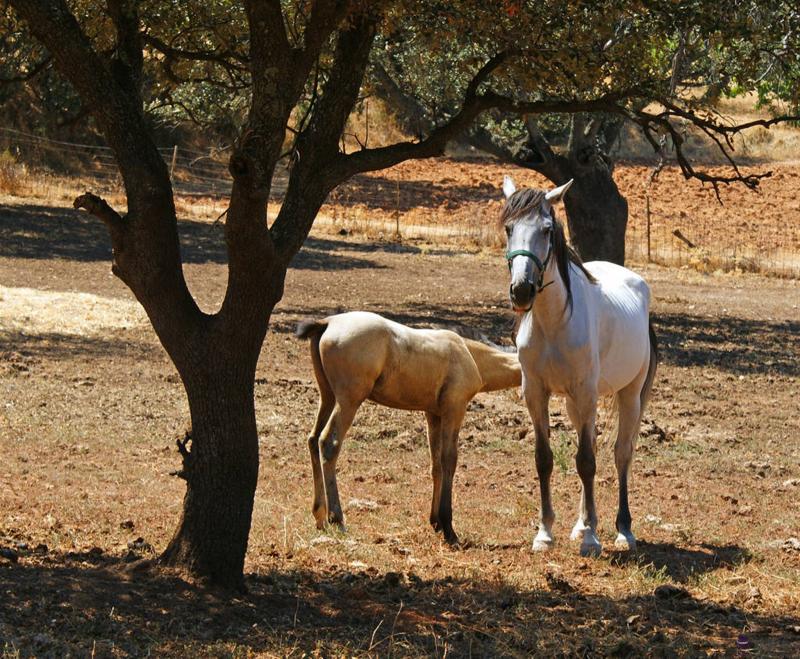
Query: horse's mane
[{"x": 521, "y": 204}]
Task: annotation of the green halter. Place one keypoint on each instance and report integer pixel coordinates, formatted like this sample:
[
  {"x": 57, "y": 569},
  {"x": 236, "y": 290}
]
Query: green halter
[{"x": 542, "y": 265}]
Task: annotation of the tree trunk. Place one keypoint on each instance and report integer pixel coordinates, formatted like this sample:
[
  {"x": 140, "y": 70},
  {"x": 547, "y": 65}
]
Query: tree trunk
[
  {"x": 597, "y": 214},
  {"x": 221, "y": 472}
]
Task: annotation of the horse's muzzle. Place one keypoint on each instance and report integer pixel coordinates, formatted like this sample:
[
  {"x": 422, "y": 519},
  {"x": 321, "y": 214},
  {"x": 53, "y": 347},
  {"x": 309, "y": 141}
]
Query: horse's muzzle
[{"x": 521, "y": 294}]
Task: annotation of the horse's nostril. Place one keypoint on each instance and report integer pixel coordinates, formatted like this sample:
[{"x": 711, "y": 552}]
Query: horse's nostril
[{"x": 521, "y": 292}]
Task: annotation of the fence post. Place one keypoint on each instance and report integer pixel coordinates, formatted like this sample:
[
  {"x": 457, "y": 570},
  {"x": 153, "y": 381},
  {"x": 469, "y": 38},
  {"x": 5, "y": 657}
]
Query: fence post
[
  {"x": 397, "y": 209},
  {"x": 174, "y": 159},
  {"x": 647, "y": 218}
]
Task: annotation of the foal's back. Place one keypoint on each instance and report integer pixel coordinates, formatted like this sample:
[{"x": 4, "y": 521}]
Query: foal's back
[{"x": 367, "y": 356}]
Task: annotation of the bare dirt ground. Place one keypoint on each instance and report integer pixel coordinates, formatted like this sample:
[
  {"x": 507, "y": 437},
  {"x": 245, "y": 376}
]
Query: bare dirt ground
[{"x": 91, "y": 407}]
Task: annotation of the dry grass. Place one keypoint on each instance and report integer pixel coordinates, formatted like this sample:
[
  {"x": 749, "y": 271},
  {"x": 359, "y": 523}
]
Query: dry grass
[
  {"x": 89, "y": 419},
  {"x": 12, "y": 175}
]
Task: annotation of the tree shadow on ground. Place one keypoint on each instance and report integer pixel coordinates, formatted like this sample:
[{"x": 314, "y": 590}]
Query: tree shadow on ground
[
  {"x": 22, "y": 350},
  {"x": 736, "y": 345},
  {"x": 681, "y": 564},
  {"x": 92, "y": 606},
  {"x": 54, "y": 232}
]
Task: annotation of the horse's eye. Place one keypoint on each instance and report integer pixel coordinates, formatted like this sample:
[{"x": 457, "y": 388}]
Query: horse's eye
[{"x": 508, "y": 232}]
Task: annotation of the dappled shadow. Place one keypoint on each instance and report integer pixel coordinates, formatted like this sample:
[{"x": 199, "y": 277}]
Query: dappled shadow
[
  {"x": 59, "y": 232},
  {"x": 679, "y": 563},
  {"x": 737, "y": 345},
  {"x": 21, "y": 350},
  {"x": 294, "y": 610},
  {"x": 55, "y": 232}
]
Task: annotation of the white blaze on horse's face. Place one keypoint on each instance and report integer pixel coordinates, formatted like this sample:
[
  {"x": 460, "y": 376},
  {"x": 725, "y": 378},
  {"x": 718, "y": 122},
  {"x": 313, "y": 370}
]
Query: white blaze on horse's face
[
  {"x": 530, "y": 246},
  {"x": 529, "y": 235}
]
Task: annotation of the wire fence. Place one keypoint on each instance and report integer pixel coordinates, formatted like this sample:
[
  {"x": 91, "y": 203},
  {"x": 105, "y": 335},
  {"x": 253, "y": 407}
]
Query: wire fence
[{"x": 389, "y": 203}]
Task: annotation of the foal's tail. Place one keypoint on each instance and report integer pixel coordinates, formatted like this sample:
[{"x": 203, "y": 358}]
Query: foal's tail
[
  {"x": 307, "y": 329},
  {"x": 313, "y": 330},
  {"x": 647, "y": 387}
]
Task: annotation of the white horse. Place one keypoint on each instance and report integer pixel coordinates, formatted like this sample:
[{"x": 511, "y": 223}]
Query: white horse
[
  {"x": 584, "y": 333},
  {"x": 359, "y": 356}
]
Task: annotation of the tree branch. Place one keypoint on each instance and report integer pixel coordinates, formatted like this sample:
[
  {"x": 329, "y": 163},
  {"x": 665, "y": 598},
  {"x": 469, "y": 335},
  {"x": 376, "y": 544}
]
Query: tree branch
[
  {"x": 114, "y": 222},
  {"x": 118, "y": 114},
  {"x": 434, "y": 144},
  {"x": 34, "y": 71},
  {"x": 128, "y": 59},
  {"x": 317, "y": 147},
  {"x": 221, "y": 57}
]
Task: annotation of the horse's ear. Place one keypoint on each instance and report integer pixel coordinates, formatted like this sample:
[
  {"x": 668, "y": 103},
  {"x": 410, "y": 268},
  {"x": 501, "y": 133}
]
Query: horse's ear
[
  {"x": 557, "y": 194},
  {"x": 509, "y": 187}
]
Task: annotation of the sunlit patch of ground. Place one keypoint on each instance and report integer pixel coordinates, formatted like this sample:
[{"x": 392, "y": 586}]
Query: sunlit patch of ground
[{"x": 35, "y": 311}]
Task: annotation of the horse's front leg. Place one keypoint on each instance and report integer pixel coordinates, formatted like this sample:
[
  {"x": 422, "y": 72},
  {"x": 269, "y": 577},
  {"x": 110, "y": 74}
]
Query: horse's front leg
[
  {"x": 537, "y": 399},
  {"x": 450, "y": 425},
  {"x": 435, "y": 445},
  {"x": 583, "y": 416}
]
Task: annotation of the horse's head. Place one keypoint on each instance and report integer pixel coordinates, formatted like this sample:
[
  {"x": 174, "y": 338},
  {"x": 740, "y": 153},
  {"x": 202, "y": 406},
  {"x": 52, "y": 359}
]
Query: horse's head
[{"x": 531, "y": 230}]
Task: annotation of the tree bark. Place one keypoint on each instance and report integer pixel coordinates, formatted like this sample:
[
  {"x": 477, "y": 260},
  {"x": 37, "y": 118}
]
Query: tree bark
[
  {"x": 221, "y": 472},
  {"x": 597, "y": 214}
]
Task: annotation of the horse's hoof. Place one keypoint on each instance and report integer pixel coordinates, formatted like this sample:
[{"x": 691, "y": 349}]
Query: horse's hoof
[
  {"x": 542, "y": 542},
  {"x": 590, "y": 546},
  {"x": 452, "y": 540},
  {"x": 336, "y": 526},
  {"x": 577, "y": 532},
  {"x": 626, "y": 542}
]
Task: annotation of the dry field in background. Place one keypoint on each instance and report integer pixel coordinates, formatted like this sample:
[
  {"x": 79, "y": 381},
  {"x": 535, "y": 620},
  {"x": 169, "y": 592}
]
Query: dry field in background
[{"x": 91, "y": 408}]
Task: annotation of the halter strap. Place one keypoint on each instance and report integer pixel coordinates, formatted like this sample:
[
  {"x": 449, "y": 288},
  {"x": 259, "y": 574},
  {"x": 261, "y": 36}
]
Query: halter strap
[
  {"x": 524, "y": 252},
  {"x": 542, "y": 265}
]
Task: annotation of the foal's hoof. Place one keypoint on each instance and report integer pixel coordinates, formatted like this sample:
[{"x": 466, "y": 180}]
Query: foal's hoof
[
  {"x": 452, "y": 540},
  {"x": 543, "y": 541},
  {"x": 625, "y": 541},
  {"x": 336, "y": 527}
]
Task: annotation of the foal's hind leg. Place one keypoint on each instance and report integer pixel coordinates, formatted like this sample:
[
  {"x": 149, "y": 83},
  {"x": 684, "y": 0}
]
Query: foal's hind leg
[
  {"x": 330, "y": 444},
  {"x": 629, "y": 410},
  {"x": 583, "y": 415},
  {"x": 435, "y": 445},
  {"x": 326, "y": 403}
]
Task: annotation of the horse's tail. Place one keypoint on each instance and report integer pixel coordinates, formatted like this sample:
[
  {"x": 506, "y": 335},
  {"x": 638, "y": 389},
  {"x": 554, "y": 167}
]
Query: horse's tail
[
  {"x": 313, "y": 330},
  {"x": 307, "y": 329},
  {"x": 647, "y": 387}
]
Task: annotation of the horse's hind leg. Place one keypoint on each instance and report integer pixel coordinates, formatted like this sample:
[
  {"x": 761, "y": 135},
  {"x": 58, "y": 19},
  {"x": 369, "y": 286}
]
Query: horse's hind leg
[
  {"x": 330, "y": 444},
  {"x": 326, "y": 403},
  {"x": 450, "y": 425},
  {"x": 583, "y": 418},
  {"x": 629, "y": 410},
  {"x": 435, "y": 444}
]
